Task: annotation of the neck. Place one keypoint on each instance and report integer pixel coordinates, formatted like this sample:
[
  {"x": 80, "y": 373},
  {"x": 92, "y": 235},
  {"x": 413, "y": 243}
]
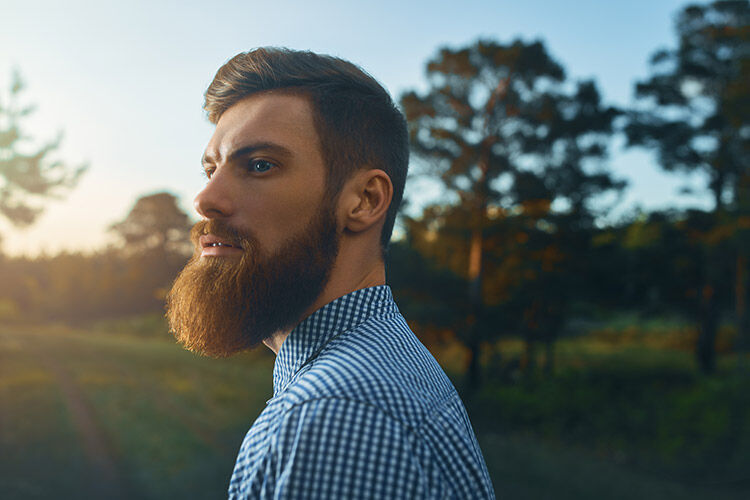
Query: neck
[{"x": 344, "y": 279}]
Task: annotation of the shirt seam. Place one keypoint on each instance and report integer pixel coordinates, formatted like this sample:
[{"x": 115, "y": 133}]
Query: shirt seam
[{"x": 412, "y": 428}]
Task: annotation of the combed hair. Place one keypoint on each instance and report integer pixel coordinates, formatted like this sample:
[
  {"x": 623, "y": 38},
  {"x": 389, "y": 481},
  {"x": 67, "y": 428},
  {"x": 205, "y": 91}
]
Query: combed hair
[{"x": 358, "y": 124}]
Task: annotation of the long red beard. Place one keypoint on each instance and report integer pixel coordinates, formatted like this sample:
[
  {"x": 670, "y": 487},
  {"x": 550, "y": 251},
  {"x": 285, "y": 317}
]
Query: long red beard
[{"x": 221, "y": 305}]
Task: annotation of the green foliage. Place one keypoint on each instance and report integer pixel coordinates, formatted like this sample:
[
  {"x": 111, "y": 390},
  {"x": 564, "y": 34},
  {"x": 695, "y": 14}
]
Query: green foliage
[
  {"x": 27, "y": 175},
  {"x": 504, "y": 131},
  {"x": 655, "y": 413},
  {"x": 505, "y": 112},
  {"x": 693, "y": 102},
  {"x": 82, "y": 288},
  {"x": 155, "y": 223},
  {"x": 425, "y": 293},
  {"x": 693, "y": 112}
]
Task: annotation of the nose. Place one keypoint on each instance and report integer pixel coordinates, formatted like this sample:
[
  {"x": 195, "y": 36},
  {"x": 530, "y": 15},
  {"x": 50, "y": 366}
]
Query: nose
[{"x": 215, "y": 200}]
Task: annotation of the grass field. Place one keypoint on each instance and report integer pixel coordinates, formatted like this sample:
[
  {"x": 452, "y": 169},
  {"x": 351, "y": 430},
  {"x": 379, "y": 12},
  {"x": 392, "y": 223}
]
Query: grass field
[{"x": 96, "y": 414}]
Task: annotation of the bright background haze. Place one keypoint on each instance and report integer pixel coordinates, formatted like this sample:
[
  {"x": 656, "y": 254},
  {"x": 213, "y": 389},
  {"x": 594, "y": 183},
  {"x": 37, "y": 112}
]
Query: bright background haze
[{"x": 124, "y": 81}]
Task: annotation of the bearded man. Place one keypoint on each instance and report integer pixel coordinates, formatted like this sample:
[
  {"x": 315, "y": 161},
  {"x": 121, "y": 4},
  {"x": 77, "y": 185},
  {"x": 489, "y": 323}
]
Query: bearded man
[{"x": 306, "y": 170}]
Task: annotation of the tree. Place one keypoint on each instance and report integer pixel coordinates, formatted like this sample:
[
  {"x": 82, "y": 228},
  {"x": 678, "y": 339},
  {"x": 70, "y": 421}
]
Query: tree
[
  {"x": 694, "y": 111},
  {"x": 111, "y": 282},
  {"x": 504, "y": 133},
  {"x": 27, "y": 175},
  {"x": 155, "y": 222}
]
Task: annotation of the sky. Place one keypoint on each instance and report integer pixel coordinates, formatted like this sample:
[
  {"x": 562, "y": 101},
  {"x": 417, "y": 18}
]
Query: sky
[{"x": 124, "y": 82}]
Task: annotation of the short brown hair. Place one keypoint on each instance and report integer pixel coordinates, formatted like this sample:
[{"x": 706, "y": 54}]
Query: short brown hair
[{"x": 356, "y": 120}]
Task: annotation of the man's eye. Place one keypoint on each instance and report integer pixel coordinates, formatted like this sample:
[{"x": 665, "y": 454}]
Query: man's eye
[
  {"x": 260, "y": 166},
  {"x": 208, "y": 172}
]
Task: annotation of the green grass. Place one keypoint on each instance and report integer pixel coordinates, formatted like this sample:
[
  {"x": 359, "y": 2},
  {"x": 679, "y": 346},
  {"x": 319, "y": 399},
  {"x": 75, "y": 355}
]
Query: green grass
[
  {"x": 522, "y": 466},
  {"x": 173, "y": 422},
  {"x": 628, "y": 409},
  {"x": 39, "y": 452}
]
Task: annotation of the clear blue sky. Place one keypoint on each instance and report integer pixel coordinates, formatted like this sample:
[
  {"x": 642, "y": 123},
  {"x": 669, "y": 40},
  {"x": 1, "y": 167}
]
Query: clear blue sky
[{"x": 124, "y": 80}]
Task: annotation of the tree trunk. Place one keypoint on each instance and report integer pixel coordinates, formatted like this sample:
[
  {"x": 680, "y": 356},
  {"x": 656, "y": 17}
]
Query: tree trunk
[
  {"x": 529, "y": 358},
  {"x": 549, "y": 356},
  {"x": 742, "y": 318},
  {"x": 705, "y": 349},
  {"x": 741, "y": 315},
  {"x": 476, "y": 247},
  {"x": 474, "y": 374},
  {"x": 475, "y": 299}
]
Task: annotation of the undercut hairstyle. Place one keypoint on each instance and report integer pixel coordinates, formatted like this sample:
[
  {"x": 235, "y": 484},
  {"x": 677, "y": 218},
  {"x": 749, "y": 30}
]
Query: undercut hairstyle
[{"x": 357, "y": 122}]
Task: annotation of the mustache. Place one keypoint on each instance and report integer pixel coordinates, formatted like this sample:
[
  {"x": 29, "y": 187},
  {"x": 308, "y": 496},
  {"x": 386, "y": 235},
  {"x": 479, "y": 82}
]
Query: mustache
[{"x": 223, "y": 230}]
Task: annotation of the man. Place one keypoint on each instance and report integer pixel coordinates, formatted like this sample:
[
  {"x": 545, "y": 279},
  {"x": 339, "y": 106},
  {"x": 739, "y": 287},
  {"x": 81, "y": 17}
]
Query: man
[{"x": 306, "y": 169}]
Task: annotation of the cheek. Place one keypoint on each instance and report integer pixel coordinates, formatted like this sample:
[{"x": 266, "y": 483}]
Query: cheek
[{"x": 278, "y": 216}]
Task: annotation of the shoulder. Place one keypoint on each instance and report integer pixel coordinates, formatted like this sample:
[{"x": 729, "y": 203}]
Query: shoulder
[{"x": 380, "y": 363}]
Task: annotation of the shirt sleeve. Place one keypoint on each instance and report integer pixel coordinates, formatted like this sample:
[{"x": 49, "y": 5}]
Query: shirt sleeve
[{"x": 338, "y": 448}]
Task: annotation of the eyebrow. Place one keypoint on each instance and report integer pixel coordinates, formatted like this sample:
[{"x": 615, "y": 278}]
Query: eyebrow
[{"x": 247, "y": 149}]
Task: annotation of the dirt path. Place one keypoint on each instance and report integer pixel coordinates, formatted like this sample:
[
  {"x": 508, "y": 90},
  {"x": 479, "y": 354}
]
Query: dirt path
[{"x": 105, "y": 480}]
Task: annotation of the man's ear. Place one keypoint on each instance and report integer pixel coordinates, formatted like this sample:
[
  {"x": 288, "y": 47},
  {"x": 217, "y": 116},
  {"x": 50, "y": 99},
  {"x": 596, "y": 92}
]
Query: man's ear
[{"x": 366, "y": 198}]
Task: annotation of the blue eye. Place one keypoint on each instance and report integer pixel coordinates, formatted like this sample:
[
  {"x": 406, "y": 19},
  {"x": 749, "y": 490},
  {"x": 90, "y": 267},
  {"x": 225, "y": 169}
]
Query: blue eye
[{"x": 260, "y": 166}]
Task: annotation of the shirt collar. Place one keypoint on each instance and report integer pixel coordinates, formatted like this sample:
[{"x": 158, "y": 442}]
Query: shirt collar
[{"x": 314, "y": 332}]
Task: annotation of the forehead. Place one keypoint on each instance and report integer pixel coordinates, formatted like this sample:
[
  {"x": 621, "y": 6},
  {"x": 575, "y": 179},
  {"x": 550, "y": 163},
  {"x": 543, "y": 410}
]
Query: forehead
[{"x": 285, "y": 119}]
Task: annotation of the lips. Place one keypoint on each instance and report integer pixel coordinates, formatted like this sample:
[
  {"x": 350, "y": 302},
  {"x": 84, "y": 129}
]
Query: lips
[
  {"x": 210, "y": 240},
  {"x": 212, "y": 245}
]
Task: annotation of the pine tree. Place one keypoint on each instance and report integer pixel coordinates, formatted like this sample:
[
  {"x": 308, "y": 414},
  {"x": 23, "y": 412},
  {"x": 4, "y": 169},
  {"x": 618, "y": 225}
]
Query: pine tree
[{"x": 28, "y": 174}]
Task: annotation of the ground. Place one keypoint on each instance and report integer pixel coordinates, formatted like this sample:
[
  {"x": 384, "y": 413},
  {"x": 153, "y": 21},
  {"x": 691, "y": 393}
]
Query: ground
[{"x": 92, "y": 413}]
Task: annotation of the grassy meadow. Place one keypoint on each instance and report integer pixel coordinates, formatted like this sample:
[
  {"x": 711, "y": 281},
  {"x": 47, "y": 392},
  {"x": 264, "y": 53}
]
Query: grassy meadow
[
  {"x": 169, "y": 422},
  {"x": 117, "y": 410}
]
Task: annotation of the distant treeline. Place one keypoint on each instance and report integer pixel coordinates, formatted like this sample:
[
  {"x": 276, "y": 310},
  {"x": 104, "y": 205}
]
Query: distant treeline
[
  {"x": 79, "y": 288},
  {"x": 125, "y": 279},
  {"x": 535, "y": 281}
]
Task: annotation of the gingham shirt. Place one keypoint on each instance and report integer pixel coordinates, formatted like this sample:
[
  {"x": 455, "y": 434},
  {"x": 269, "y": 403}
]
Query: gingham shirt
[{"x": 360, "y": 409}]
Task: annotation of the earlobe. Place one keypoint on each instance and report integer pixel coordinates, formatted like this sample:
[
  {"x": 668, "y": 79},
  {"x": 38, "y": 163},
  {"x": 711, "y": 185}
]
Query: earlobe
[{"x": 372, "y": 192}]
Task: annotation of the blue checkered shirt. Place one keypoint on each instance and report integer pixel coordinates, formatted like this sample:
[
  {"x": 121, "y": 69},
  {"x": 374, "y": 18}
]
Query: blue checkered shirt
[{"x": 360, "y": 409}]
